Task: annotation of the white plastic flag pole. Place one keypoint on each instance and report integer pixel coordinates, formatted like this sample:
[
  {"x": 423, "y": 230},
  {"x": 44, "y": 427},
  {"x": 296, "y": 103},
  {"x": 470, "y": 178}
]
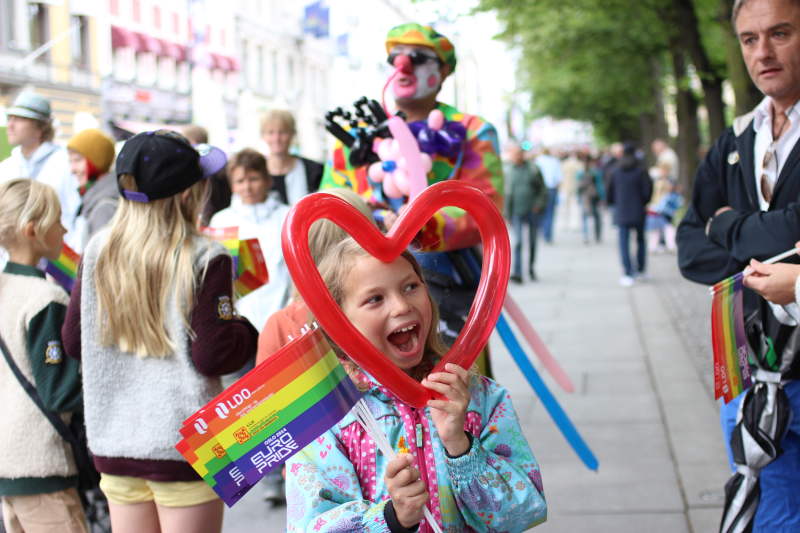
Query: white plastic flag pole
[
  {"x": 370, "y": 425},
  {"x": 774, "y": 259}
]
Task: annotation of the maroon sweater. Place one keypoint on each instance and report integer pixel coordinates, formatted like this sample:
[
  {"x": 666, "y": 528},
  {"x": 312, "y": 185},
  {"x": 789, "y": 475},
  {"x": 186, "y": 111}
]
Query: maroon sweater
[{"x": 222, "y": 345}]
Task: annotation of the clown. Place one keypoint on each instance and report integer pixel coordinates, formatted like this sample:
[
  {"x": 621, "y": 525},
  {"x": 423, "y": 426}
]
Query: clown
[{"x": 460, "y": 146}]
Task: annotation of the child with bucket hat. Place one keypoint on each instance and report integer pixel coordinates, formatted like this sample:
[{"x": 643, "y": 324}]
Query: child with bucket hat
[{"x": 30, "y": 130}]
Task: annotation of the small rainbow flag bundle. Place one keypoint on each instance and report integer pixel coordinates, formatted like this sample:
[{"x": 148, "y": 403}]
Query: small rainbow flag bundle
[
  {"x": 65, "y": 269},
  {"x": 731, "y": 352},
  {"x": 249, "y": 267},
  {"x": 267, "y": 416}
]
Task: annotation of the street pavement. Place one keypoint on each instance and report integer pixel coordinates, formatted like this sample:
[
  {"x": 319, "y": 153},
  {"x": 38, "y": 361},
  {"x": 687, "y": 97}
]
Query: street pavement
[{"x": 640, "y": 361}]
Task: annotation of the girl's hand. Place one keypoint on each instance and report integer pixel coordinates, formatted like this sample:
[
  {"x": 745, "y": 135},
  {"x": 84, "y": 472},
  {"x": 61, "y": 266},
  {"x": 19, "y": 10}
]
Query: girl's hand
[
  {"x": 773, "y": 282},
  {"x": 449, "y": 415},
  {"x": 406, "y": 489}
]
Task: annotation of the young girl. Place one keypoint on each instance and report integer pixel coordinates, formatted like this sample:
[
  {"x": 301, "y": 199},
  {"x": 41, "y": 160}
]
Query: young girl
[
  {"x": 151, "y": 319},
  {"x": 463, "y": 456},
  {"x": 288, "y": 323},
  {"x": 37, "y": 470}
]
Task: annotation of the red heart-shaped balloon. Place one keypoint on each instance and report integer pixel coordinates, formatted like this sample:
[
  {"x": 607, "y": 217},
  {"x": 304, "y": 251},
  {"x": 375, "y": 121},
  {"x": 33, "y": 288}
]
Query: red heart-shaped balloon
[{"x": 485, "y": 308}]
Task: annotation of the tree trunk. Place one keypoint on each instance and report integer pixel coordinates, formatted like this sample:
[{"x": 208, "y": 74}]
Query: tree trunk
[
  {"x": 689, "y": 31},
  {"x": 688, "y": 141},
  {"x": 747, "y": 94}
]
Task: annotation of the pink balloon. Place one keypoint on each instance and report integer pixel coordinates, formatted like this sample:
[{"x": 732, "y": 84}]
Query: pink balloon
[
  {"x": 390, "y": 187},
  {"x": 538, "y": 346},
  {"x": 436, "y": 119},
  {"x": 409, "y": 149},
  {"x": 485, "y": 308},
  {"x": 376, "y": 172}
]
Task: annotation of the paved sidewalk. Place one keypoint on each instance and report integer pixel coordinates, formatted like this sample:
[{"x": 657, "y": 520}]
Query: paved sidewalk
[
  {"x": 640, "y": 359},
  {"x": 643, "y": 400}
]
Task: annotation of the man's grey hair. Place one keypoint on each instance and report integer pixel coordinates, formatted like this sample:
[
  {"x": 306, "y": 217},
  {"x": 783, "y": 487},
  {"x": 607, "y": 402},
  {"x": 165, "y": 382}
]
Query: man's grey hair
[{"x": 739, "y": 4}]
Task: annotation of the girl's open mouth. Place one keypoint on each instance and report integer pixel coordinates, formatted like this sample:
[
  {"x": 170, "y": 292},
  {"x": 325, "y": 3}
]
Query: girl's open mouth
[{"x": 405, "y": 339}]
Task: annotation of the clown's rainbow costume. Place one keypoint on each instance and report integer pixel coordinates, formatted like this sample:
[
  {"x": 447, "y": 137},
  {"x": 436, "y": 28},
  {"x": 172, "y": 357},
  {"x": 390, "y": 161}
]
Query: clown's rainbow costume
[{"x": 477, "y": 163}]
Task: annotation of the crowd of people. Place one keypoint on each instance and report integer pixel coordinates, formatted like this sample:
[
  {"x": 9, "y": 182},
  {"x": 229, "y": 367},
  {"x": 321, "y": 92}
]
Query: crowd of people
[
  {"x": 584, "y": 184},
  {"x": 151, "y": 326},
  {"x": 151, "y": 329}
]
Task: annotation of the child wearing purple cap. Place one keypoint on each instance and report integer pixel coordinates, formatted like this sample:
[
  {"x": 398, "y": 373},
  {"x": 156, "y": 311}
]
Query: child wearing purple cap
[{"x": 151, "y": 319}]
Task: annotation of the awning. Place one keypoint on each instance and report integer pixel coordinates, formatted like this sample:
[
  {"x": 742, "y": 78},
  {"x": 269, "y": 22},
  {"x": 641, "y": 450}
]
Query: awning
[
  {"x": 222, "y": 62},
  {"x": 147, "y": 43},
  {"x": 173, "y": 50},
  {"x": 218, "y": 61},
  {"x": 122, "y": 38}
]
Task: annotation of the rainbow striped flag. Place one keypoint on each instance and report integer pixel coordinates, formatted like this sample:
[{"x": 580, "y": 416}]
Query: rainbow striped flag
[
  {"x": 731, "y": 352},
  {"x": 249, "y": 267},
  {"x": 267, "y": 416},
  {"x": 65, "y": 269}
]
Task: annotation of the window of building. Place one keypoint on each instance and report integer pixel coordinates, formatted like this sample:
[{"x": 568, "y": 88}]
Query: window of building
[
  {"x": 273, "y": 82},
  {"x": 7, "y": 33},
  {"x": 79, "y": 41},
  {"x": 136, "y": 10},
  {"x": 39, "y": 28},
  {"x": 259, "y": 68},
  {"x": 245, "y": 55},
  {"x": 113, "y": 7},
  {"x": 157, "y": 17}
]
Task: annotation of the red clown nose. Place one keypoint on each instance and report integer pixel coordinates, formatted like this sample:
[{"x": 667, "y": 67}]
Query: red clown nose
[{"x": 403, "y": 63}]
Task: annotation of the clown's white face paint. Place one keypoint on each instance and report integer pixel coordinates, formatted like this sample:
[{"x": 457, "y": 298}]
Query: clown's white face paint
[{"x": 415, "y": 82}]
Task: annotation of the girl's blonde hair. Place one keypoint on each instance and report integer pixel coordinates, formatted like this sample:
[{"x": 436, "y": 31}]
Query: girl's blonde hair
[
  {"x": 23, "y": 201},
  {"x": 147, "y": 260},
  {"x": 334, "y": 267},
  {"x": 324, "y": 233}
]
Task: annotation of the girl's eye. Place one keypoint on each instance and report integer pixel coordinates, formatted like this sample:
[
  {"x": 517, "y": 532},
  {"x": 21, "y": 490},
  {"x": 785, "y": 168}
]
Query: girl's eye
[
  {"x": 411, "y": 286},
  {"x": 373, "y": 299}
]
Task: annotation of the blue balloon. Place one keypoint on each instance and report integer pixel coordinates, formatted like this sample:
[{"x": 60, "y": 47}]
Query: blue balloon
[{"x": 549, "y": 402}]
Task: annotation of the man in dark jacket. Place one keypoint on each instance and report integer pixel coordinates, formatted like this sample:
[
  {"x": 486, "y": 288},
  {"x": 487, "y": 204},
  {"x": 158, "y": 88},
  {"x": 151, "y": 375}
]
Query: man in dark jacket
[
  {"x": 745, "y": 205},
  {"x": 629, "y": 192}
]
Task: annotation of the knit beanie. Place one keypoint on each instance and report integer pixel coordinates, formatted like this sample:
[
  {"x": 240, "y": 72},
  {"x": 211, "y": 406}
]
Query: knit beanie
[
  {"x": 417, "y": 34},
  {"x": 95, "y": 146}
]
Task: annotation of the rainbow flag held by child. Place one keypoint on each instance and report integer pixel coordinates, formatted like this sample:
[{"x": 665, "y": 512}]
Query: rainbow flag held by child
[
  {"x": 65, "y": 269},
  {"x": 249, "y": 267},
  {"x": 267, "y": 416},
  {"x": 731, "y": 352}
]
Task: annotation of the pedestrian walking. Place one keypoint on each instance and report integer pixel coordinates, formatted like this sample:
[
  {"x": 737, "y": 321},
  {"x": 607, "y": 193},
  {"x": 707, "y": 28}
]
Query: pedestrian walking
[
  {"x": 151, "y": 319},
  {"x": 591, "y": 195},
  {"x": 525, "y": 201},
  {"x": 629, "y": 192},
  {"x": 550, "y": 167}
]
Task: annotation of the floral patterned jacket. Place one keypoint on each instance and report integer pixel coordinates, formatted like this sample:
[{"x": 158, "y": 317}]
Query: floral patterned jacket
[{"x": 336, "y": 483}]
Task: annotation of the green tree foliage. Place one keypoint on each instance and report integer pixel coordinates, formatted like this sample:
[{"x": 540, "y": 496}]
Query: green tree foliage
[{"x": 586, "y": 59}]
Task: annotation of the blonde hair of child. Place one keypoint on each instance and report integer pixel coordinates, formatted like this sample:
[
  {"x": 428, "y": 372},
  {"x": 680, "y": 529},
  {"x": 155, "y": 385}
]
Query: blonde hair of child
[
  {"x": 324, "y": 233},
  {"x": 334, "y": 267},
  {"x": 147, "y": 260},
  {"x": 24, "y": 201}
]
